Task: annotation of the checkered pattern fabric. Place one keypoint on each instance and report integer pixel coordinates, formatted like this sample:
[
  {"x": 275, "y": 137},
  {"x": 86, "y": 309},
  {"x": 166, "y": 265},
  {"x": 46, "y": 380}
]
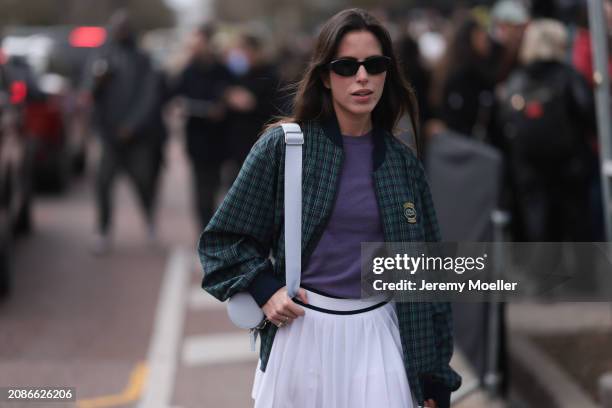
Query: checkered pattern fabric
[{"x": 245, "y": 236}]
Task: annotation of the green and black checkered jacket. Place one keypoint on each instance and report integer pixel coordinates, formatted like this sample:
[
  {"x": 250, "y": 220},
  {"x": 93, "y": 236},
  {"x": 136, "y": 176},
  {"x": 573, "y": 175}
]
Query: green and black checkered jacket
[{"x": 242, "y": 248}]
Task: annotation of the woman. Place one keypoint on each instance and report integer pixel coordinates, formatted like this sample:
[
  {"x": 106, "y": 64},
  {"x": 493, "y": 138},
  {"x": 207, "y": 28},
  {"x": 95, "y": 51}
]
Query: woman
[
  {"x": 356, "y": 180},
  {"x": 202, "y": 84},
  {"x": 547, "y": 114},
  {"x": 463, "y": 82}
]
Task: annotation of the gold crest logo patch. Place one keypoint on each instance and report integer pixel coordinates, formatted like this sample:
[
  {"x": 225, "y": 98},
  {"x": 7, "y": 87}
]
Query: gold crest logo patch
[{"x": 410, "y": 212}]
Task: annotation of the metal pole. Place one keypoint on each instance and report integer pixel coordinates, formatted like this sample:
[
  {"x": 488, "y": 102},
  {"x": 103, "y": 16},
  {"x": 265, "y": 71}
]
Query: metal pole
[
  {"x": 599, "y": 41},
  {"x": 493, "y": 377},
  {"x": 601, "y": 80}
]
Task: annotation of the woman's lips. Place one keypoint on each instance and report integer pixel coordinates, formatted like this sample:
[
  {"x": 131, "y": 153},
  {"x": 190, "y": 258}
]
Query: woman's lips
[{"x": 362, "y": 97}]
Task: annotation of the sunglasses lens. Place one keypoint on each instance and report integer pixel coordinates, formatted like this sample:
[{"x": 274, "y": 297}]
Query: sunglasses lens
[
  {"x": 349, "y": 67},
  {"x": 345, "y": 67},
  {"x": 376, "y": 65}
]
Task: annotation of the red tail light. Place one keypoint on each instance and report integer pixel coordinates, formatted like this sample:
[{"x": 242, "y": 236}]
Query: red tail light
[
  {"x": 19, "y": 92},
  {"x": 87, "y": 37}
]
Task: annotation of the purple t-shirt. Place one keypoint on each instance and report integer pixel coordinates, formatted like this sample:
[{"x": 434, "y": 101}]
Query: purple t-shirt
[{"x": 335, "y": 265}]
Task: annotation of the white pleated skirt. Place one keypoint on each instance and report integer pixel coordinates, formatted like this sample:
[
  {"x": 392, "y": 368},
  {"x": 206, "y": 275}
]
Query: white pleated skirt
[{"x": 324, "y": 360}]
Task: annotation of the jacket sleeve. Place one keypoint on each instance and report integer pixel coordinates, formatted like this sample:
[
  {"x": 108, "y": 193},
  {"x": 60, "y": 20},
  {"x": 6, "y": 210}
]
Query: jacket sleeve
[
  {"x": 444, "y": 380},
  {"x": 234, "y": 248}
]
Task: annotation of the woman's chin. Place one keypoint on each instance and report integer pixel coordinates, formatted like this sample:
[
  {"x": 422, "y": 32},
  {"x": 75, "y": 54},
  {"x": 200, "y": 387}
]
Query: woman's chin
[{"x": 362, "y": 109}]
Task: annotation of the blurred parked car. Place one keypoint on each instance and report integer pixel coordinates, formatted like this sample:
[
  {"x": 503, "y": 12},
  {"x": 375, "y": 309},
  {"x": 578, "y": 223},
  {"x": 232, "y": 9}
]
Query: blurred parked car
[
  {"x": 43, "y": 120},
  {"x": 15, "y": 170},
  {"x": 56, "y": 115}
]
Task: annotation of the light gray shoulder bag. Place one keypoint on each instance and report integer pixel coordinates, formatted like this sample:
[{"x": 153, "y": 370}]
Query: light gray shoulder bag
[{"x": 242, "y": 309}]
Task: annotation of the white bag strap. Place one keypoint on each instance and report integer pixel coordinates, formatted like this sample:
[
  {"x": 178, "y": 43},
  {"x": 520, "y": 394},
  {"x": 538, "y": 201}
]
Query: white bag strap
[{"x": 294, "y": 139}]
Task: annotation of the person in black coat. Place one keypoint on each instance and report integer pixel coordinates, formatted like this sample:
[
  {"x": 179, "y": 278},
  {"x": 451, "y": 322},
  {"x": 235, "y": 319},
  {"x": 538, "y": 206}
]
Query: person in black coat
[
  {"x": 546, "y": 111},
  {"x": 463, "y": 82},
  {"x": 253, "y": 97},
  {"x": 202, "y": 84},
  {"x": 126, "y": 92}
]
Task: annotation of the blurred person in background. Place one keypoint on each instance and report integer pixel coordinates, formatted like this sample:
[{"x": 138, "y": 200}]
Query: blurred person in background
[
  {"x": 348, "y": 105},
  {"x": 202, "y": 85},
  {"x": 547, "y": 113},
  {"x": 509, "y": 19},
  {"x": 411, "y": 62},
  {"x": 125, "y": 91},
  {"x": 462, "y": 92},
  {"x": 252, "y": 97},
  {"x": 292, "y": 59}
]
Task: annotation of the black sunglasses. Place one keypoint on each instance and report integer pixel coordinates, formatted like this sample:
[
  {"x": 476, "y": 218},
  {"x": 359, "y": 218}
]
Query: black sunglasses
[{"x": 349, "y": 66}]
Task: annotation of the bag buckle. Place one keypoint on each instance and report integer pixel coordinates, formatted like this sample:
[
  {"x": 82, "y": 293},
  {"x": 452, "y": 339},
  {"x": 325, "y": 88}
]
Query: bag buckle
[{"x": 254, "y": 332}]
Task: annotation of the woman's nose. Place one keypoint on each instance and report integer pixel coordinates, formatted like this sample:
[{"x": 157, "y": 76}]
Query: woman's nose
[{"x": 362, "y": 74}]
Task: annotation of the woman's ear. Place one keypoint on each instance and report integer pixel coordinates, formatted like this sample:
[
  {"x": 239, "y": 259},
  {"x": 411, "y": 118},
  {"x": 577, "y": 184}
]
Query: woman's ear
[{"x": 325, "y": 79}]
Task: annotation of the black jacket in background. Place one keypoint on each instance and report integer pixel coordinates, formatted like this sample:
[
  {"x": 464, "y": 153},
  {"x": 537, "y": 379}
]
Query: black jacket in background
[
  {"x": 467, "y": 100},
  {"x": 245, "y": 127},
  {"x": 123, "y": 96},
  {"x": 202, "y": 83}
]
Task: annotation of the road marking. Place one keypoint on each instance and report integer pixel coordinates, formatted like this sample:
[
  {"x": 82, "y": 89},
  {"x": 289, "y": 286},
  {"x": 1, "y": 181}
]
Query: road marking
[
  {"x": 167, "y": 331},
  {"x": 218, "y": 348},
  {"x": 201, "y": 300},
  {"x": 130, "y": 394}
]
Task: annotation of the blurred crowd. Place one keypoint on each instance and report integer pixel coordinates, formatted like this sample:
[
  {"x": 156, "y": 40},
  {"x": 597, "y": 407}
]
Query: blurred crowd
[{"x": 514, "y": 77}]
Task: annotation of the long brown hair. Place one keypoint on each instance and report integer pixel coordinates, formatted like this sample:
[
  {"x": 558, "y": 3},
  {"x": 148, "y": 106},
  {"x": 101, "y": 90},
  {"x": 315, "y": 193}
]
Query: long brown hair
[{"x": 313, "y": 101}]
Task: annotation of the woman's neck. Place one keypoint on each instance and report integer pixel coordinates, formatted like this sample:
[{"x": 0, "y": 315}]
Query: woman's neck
[{"x": 351, "y": 125}]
